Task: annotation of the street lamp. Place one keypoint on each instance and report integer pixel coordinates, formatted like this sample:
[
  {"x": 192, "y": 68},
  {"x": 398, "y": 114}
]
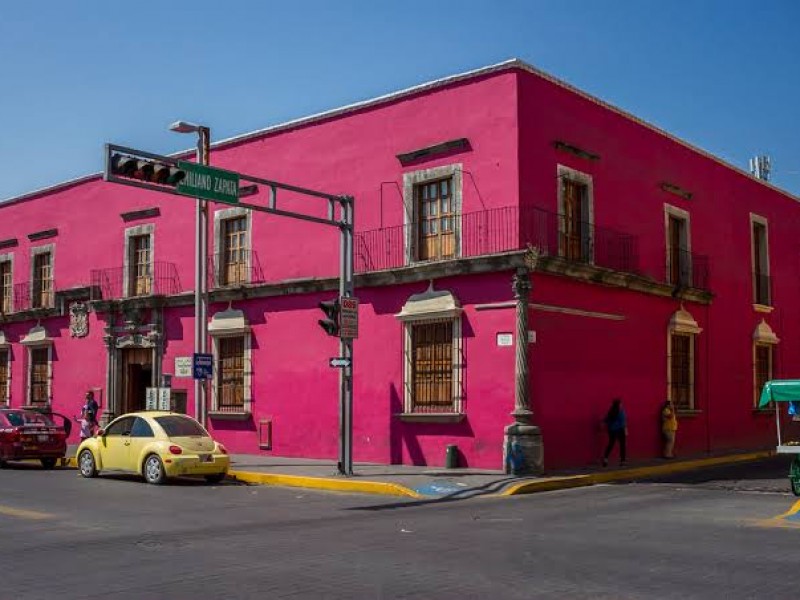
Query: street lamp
[{"x": 200, "y": 264}]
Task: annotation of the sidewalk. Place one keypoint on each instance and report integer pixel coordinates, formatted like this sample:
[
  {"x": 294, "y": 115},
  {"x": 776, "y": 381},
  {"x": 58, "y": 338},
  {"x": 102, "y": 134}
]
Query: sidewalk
[{"x": 439, "y": 483}]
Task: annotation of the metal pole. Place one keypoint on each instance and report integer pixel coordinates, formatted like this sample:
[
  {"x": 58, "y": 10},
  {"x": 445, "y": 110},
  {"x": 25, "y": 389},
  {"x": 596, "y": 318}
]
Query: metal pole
[
  {"x": 346, "y": 288},
  {"x": 200, "y": 276}
]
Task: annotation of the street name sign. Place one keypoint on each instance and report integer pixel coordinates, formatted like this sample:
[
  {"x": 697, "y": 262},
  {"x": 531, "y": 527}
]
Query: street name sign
[
  {"x": 208, "y": 183},
  {"x": 202, "y": 366},
  {"x": 348, "y": 317},
  {"x": 340, "y": 362}
]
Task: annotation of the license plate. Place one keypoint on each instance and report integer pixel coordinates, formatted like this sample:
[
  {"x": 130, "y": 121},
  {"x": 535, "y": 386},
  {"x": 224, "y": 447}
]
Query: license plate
[
  {"x": 43, "y": 438},
  {"x": 205, "y": 457}
]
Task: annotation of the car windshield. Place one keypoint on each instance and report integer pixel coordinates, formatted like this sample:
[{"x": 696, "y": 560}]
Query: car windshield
[
  {"x": 18, "y": 418},
  {"x": 175, "y": 426}
]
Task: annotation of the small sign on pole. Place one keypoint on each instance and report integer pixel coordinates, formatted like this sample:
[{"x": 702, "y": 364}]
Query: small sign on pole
[
  {"x": 183, "y": 366},
  {"x": 202, "y": 366},
  {"x": 340, "y": 362},
  {"x": 158, "y": 398},
  {"x": 348, "y": 317}
]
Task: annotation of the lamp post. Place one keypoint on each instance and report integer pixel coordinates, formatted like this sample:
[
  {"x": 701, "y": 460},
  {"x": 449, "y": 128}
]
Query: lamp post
[{"x": 200, "y": 264}]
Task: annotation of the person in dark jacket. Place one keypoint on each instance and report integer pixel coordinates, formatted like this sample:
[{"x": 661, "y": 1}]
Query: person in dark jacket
[{"x": 617, "y": 428}]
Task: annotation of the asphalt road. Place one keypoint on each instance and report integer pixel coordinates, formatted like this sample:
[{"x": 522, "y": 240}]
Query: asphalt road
[{"x": 713, "y": 536}]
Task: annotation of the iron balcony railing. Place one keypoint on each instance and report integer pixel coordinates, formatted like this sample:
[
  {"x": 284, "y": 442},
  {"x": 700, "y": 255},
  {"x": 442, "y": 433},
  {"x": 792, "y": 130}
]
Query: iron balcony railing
[
  {"x": 233, "y": 268},
  {"x": 32, "y": 295},
  {"x": 686, "y": 269},
  {"x": 156, "y": 279},
  {"x": 493, "y": 231},
  {"x": 762, "y": 289}
]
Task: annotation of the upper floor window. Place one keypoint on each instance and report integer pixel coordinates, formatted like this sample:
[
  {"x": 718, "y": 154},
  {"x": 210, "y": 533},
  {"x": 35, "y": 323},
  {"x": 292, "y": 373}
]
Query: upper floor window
[
  {"x": 436, "y": 220},
  {"x": 679, "y": 257},
  {"x": 140, "y": 281},
  {"x": 6, "y": 286},
  {"x": 234, "y": 251},
  {"x": 575, "y": 215},
  {"x": 760, "y": 256},
  {"x": 42, "y": 288},
  {"x": 432, "y": 200}
]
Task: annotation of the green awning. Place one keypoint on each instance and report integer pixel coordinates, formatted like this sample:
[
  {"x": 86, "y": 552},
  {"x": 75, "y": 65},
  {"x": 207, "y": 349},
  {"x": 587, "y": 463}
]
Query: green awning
[{"x": 787, "y": 390}]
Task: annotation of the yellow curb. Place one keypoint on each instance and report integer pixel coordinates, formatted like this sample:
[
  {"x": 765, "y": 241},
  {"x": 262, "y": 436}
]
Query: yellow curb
[
  {"x": 70, "y": 462},
  {"x": 556, "y": 483},
  {"x": 324, "y": 483}
]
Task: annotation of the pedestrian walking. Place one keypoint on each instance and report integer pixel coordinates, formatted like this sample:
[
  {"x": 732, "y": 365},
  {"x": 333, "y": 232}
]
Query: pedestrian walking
[
  {"x": 91, "y": 408},
  {"x": 87, "y": 424},
  {"x": 617, "y": 429},
  {"x": 669, "y": 426}
]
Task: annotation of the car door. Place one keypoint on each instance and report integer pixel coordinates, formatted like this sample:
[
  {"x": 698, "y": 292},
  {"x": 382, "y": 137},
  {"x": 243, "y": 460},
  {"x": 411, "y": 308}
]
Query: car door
[
  {"x": 141, "y": 435},
  {"x": 114, "y": 444}
]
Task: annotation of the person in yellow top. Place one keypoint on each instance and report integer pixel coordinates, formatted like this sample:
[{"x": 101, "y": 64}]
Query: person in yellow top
[{"x": 669, "y": 425}]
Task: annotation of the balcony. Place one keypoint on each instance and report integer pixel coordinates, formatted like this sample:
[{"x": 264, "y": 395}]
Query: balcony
[
  {"x": 34, "y": 295},
  {"x": 494, "y": 231},
  {"x": 234, "y": 268},
  {"x": 687, "y": 270},
  {"x": 160, "y": 279}
]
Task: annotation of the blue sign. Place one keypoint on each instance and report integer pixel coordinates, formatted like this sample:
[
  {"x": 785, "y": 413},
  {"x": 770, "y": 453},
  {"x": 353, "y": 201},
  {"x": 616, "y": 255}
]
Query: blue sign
[{"x": 202, "y": 366}]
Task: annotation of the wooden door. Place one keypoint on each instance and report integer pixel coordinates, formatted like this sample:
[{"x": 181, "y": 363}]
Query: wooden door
[
  {"x": 137, "y": 370},
  {"x": 677, "y": 260},
  {"x": 436, "y": 220},
  {"x": 573, "y": 219}
]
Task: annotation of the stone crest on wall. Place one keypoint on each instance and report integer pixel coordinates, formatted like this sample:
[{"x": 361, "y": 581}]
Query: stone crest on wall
[{"x": 78, "y": 320}]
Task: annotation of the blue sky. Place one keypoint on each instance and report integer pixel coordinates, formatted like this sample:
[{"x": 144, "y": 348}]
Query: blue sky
[{"x": 723, "y": 74}]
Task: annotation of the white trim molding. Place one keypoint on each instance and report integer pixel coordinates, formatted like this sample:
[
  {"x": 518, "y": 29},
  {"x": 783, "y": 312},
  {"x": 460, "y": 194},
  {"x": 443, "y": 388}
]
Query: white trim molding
[
  {"x": 587, "y": 210},
  {"x": 8, "y": 257},
  {"x": 411, "y": 219},
  {"x": 147, "y": 229},
  {"x": 219, "y": 245},
  {"x": 37, "y": 338},
  {"x": 683, "y": 323},
  {"x": 765, "y": 270},
  {"x": 685, "y": 216},
  {"x": 227, "y": 324}
]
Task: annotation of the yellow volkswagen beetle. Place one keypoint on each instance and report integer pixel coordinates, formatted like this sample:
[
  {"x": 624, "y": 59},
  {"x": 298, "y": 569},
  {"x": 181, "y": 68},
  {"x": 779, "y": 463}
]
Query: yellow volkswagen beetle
[{"x": 156, "y": 445}]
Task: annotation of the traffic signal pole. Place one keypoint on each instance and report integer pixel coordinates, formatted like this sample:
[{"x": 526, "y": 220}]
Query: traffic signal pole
[
  {"x": 201, "y": 278},
  {"x": 346, "y": 289}
]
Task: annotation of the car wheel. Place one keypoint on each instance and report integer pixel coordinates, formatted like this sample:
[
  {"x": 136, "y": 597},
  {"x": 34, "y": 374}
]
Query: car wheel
[
  {"x": 154, "y": 470},
  {"x": 87, "y": 464},
  {"x": 215, "y": 478},
  {"x": 49, "y": 463}
]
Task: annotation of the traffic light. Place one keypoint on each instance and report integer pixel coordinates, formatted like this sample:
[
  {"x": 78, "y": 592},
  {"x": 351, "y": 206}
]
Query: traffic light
[
  {"x": 331, "y": 321},
  {"x": 146, "y": 170}
]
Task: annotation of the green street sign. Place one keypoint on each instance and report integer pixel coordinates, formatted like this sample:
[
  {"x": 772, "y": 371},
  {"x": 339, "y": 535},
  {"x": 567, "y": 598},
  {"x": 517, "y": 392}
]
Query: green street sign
[{"x": 208, "y": 183}]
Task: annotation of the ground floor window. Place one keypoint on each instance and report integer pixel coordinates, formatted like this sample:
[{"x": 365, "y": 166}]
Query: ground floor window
[
  {"x": 231, "y": 375},
  {"x": 682, "y": 370},
  {"x": 763, "y": 368},
  {"x": 5, "y": 376},
  {"x": 433, "y": 369},
  {"x": 39, "y": 376}
]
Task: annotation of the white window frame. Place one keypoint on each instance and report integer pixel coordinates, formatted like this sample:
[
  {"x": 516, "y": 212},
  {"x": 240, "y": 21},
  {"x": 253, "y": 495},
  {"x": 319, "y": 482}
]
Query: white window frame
[
  {"x": 29, "y": 375},
  {"x": 457, "y": 393},
  {"x": 147, "y": 229},
  {"x": 413, "y": 179},
  {"x": 682, "y": 323},
  {"x": 685, "y": 216},
  {"x": 36, "y": 251},
  {"x": 9, "y": 258},
  {"x": 758, "y": 219},
  {"x": 219, "y": 243},
  {"x": 587, "y": 238}
]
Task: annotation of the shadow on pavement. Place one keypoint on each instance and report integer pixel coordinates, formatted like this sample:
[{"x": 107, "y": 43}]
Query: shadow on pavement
[{"x": 465, "y": 494}]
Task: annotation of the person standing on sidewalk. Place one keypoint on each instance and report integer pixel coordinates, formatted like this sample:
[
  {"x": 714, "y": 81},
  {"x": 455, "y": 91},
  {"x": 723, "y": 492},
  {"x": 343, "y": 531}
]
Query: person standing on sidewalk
[
  {"x": 669, "y": 426},
  {"x": 617, "y": 429}
]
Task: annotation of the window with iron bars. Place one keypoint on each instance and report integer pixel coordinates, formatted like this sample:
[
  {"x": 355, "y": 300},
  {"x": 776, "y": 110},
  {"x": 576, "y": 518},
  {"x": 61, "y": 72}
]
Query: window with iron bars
[
  {"x": 681, "y": 361},
  {"x": 231, "y": 373},
  {"x": 233, "y": 269},
  {"x": 433, "y": 367},
  {"x": 140, "y": 282},
  {"x": 763, "y": 368},
  {"x": 4, "y": 377},
  {"x": 39, "y": 392},
  {"x": 42, "y": 280},
  {"x": 6, "y": 286}
]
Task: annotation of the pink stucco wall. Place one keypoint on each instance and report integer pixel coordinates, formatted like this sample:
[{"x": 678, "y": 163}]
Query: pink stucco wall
[{"x": 578, "y": 363}]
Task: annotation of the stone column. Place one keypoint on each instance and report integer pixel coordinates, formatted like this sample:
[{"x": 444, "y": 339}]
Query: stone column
[
  {"x": 522, "y": 448},
  {"x": 108, "y": 411}
]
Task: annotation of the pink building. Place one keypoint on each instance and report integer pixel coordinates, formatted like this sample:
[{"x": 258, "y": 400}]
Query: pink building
[{"x": 657, "y": 271}]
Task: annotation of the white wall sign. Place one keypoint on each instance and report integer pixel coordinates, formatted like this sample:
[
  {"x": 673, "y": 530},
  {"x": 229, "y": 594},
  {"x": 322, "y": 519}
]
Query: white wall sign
[
  {"x": 183, "y": 366},
  {"x": 157, "y": 398},
  {"x": 505, "y": 339}
]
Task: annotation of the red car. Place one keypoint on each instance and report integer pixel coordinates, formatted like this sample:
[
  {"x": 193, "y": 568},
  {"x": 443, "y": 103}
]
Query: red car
[{"x": 28, "y": 434}]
